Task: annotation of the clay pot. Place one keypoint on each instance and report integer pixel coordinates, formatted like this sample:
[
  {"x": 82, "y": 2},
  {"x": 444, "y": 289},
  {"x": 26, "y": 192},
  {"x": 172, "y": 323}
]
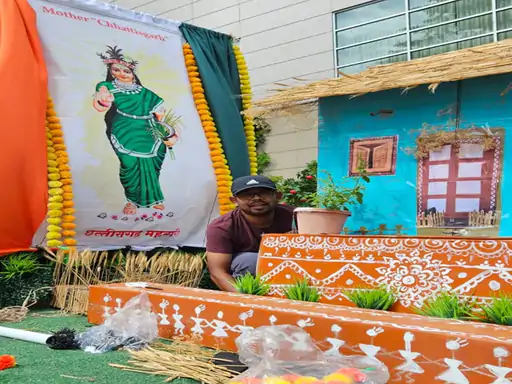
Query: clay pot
[{"x": 316, "y": 221}]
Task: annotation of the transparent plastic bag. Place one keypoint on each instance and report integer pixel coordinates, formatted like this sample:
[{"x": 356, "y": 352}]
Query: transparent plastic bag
[
  {"x": 286, "y": 354},
  {"x": 132, "y": 327}
]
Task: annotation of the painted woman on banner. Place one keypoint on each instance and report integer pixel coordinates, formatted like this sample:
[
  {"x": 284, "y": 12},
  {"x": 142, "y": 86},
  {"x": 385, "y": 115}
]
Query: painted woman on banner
[{"x": 139, "y": 129}]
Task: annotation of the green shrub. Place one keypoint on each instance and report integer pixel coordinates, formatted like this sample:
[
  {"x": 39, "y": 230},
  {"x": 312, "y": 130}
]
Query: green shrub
[
  {"x": 251, "y": 285},
  {"x": 448, "y": 305},
  {"x": 498, "y": 311},
  {"x": 297, "y": 190},
  {"x": 372, "y": 298},
  {"x": 302, "y": 291},
  {"x": 22, "y": 273}
]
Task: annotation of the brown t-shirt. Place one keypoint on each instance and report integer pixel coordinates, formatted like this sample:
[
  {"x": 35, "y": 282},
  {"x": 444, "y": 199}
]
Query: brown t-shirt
[{"x": 232, "y": 233}]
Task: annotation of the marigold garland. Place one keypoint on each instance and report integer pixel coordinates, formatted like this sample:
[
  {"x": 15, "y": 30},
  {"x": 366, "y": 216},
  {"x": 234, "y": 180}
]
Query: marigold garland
[
  {"x": 220, "y": 164},
  {"x": 246, "y": 94},
  {"x": 60, "y": 203}
]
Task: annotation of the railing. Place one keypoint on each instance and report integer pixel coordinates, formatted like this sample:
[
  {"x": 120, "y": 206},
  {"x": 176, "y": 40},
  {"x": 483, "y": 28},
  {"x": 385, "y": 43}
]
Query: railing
[{"x": 476, "y": 219}]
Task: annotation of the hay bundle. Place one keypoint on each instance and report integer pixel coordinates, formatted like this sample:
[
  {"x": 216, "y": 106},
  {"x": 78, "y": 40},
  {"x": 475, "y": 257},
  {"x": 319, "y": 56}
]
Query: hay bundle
[
  {"x": 180, "y": 359},
  {"x": 76, "y": 270},
  {"x": 485, "y": 60}
]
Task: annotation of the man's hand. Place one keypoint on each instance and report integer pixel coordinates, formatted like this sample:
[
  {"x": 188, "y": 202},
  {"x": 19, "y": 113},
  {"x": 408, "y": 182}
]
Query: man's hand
[{"x": 219, "y": 267}]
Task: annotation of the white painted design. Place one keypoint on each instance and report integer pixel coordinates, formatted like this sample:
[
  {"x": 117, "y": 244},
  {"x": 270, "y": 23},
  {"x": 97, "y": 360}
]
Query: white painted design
[
  {"x": 454, "y": 375},
  {"x": 178, "y": 324},
  {"x": 349, "y": 282},
  {"x": 219, "y": 326},
  {"x": 410, "y": 365},
  {"x": 494, "y": 285},
  {"x": 197, "y": 329},
  {"x": 305, "y": 323},
  {"x": 244, "y": 316},
  {"x": 318, "y": 270},
  {"x": 106, "y": 309},
  {"x": 414, "y": 277},
  {"x": 462, "y": 275},
  {"x": 163, "y": 316},
  {"x": 499, "y": 371},
  {"x": 119, "y": 303},
  {"x": 371, "y": 350},
  {"x": 272, "y": 320},
  {"x": 335, "y": 342}
]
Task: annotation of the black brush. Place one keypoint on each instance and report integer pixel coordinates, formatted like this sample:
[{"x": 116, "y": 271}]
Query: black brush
[{"x": 63, "y": 339}]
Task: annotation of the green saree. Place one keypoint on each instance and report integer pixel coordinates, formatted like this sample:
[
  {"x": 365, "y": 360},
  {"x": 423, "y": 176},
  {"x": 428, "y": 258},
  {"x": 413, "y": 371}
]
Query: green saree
[{"x": 136, "y": 138}]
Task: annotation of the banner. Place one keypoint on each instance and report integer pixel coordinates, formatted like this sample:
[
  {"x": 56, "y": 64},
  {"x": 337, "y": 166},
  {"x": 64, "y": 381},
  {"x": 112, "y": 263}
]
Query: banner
[{"x": 142, "y": 174}]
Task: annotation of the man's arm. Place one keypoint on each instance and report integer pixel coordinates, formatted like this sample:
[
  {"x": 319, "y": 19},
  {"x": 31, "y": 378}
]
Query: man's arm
[
  {"x": 219, "y": 267},
  {"x": 219, "y": 249}
]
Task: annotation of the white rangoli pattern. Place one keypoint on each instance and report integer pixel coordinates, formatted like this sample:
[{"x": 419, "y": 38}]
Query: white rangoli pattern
[{"x": 414, "y": 267}]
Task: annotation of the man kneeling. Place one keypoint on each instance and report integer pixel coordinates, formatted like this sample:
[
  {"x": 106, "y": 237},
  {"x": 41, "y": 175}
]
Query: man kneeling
[{"x": 233, "y": 240}]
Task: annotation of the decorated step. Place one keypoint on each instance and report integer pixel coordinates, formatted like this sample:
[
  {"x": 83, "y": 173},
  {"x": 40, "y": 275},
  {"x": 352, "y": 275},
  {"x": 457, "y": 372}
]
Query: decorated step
[
  {"x": 416, "y": 268},
  {"x": 415, "y": 349}
]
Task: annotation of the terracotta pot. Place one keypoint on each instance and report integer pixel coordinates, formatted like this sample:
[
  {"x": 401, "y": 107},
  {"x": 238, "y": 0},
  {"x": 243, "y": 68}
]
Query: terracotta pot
[{"x": 316, "y": 221}]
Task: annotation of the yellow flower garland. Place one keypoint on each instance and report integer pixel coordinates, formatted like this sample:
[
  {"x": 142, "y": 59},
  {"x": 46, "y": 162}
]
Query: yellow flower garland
[
  {"x": 220, "y": 164},
  {"x": 60, "y": 229},
  {"x": 246, "y": 93}
]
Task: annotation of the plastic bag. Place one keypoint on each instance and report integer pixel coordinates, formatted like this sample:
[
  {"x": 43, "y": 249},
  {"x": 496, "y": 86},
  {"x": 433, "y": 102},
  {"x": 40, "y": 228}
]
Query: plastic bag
[
  {"x": 286, "y": 354},
  {"x": 133, "y": 327}
]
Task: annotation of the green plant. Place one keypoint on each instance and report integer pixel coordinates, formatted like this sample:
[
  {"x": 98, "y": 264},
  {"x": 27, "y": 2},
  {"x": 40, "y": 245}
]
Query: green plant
[
  {"x": 498, "y": 311},
  {"x": 302, "y": 291},
  {"x": 264, "y": 161},
  {"x": 298, "y": 190},
  {"x": 379, "y": 298},
  {"x": 448, "y": 305},
  {"x": 18, "y": 265},
  {"x": 335, "y": 196},
  {"x": 251, "y": 285}
]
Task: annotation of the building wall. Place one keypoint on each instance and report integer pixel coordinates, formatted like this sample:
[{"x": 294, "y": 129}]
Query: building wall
[
  {"x": 392, "y": 200},
  {"x": 282, "y": 40}
]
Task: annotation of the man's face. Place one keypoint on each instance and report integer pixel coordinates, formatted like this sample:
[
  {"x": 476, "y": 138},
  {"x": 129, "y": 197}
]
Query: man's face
[{"x": 257, "y": 201}]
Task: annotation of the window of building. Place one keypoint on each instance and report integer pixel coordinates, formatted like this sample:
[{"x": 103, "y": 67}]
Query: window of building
[
  {"x": 459, "y": 181},
  {"x": 389, "y": 31}
]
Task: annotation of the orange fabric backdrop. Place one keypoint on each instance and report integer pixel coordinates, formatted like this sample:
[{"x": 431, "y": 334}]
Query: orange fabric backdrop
[{"x": 23, "y": 171}]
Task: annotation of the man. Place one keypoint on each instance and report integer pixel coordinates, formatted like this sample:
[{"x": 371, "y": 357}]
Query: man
[{"x": 233, "y": 240}]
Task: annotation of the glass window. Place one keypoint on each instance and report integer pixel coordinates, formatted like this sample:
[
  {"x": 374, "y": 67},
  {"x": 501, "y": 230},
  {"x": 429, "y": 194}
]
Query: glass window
[
  {"x": 371, "y": 31},
  {"x": 373, "y": 11},
  {"x": 387, "y": 30},
  {"x": 504, "y": 19},
  {"x": 503, "y": 3},
  {"x": 449, "y": 12},
  {"x": 452, "y": 31},
  {"x": 373, "y": 50},
  {"x": 451, "y": 47}
]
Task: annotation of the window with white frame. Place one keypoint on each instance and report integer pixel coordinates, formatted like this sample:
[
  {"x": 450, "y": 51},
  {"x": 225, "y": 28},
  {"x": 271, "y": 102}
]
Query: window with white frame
[{"x": 389, "y": 31}]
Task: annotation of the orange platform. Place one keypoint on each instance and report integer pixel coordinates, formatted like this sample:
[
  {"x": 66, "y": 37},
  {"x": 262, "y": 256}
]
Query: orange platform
[
  {"x": 415, "y": 349},
  {"x": 415, "y": 267}
]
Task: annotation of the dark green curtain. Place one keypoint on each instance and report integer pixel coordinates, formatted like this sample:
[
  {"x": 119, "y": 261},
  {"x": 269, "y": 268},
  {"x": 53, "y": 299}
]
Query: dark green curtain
[{"x": 219, "y": 73}]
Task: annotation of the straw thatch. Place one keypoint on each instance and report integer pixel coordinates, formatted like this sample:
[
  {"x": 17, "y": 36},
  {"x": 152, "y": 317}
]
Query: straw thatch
[
  {"x": 485, "y": 60},
  {"x": 76, "y": 270}
]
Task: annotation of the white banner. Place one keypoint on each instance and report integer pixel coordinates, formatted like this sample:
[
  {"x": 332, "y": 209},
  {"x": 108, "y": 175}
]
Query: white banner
[{"x": 121, "y": 90}]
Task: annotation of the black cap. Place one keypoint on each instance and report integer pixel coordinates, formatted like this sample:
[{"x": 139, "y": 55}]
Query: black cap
[{"x": 247, "y": 182}]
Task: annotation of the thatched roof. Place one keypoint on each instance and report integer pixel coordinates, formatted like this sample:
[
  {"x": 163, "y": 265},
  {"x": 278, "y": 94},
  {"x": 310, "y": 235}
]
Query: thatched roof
[{"x": 484, "y": 60}]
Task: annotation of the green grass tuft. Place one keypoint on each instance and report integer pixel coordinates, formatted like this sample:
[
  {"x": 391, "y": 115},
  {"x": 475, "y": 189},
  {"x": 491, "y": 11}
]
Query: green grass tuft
[
  {"x": 379, "y": 298},
  {"x": 251, "y": 285},
  {"x": 448, "y": 305},
  {"x": 302, "y": 291},
  {"x": 498, "y": 311},
  {"x": 19, "y": 264}
]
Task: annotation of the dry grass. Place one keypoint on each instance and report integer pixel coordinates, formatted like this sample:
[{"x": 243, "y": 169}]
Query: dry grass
[
  {"x": 180, "y": 359},
  {"x": 76, "y": 270},
  {"x": 485, "y": 60}
]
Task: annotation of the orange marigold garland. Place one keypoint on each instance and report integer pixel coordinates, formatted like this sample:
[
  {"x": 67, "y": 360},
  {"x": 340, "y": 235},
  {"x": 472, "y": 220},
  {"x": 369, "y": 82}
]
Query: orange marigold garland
[
  {"x": 60, "y": 219},
  {"x": 220, "y": 164},
  {"x": 246, "y": 94}
]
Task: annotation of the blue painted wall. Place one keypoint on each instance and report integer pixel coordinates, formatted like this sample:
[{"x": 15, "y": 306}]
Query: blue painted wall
[{"x": 392, "y": 199}]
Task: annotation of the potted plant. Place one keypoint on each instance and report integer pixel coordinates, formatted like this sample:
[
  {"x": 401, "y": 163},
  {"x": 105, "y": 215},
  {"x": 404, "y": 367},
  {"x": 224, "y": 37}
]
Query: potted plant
[
  {"x": 302, "y": 291},
  {"x": 331, "y": 205}
]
